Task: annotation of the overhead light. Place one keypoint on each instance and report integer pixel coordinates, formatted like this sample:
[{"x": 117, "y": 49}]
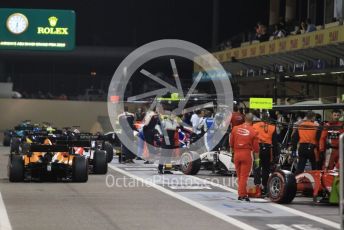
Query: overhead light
[
  {"x": 286, "y": 76},
  {"x": 339, "y": 72},
  {"x": 318, "y": 74},
  {"x": 266, "y": 78},
  {"x": 93, "y": 73},
  {"x": 300, "y": 75}
]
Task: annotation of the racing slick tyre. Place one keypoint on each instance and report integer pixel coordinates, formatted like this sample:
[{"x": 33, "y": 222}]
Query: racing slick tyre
[
  {"x": 99, "y": 162},
  {"x": 6, "y": 141},
  {"x": 79, "y": 169},
  {"x": 16, "y": 168},
  {"x": 15, "y": 143},
  {"x": 109, "y": 151},
  {"x": 282, "y": 187},
  {"x": 190, "y": 163}
]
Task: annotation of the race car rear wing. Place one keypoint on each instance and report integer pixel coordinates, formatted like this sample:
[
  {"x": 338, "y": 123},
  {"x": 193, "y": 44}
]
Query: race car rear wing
[
  {"x": 48, "y": 148},
  {"x": 95, "y": 137},
  {"x": 74, "y": 143}
]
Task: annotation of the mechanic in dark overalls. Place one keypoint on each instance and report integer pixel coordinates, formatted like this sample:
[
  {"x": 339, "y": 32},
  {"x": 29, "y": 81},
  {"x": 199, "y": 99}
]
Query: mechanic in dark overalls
[
  {"x": 126, "y": 122},
  {"x": 268, "y": 150},
  {"x": 152, "y": 133},
  {"x": 306, "y": 136}
]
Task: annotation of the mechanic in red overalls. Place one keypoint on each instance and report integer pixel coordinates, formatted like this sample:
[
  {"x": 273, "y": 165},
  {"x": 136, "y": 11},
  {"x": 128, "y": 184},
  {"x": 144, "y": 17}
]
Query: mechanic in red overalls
[
  {"x": 244, "y": 141},
  {"x": 329, "y": 140},
  {"x": 237, "y": 117}
]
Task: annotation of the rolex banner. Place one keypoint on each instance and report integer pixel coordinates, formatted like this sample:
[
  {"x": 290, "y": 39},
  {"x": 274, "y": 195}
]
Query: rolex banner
[{"x": 37, "y": 29}]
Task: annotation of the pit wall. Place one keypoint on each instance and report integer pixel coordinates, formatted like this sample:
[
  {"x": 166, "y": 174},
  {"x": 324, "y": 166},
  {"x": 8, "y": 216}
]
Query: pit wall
[{"x": 90, "y": 116}]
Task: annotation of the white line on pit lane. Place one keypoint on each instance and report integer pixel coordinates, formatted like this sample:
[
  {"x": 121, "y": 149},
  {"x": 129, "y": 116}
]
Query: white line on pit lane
[
  {"x": 287, "y": 209},
  {"x": 189, "y": 187},
  {"x": 4, "y": 220},
  {"x": 210, "y": 211}
]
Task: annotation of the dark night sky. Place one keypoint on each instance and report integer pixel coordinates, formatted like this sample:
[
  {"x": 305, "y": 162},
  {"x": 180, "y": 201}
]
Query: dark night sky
[{"x": 135, "y": 22}]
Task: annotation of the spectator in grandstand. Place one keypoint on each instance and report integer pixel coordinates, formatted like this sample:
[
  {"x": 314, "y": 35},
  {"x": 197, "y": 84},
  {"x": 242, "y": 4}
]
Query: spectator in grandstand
[
  {"x": 310, "y": 26},
  {"x": 261, "y": 33},
  {"x": 303, "y": 27},
  {"x": 258, "y": 28},
  {"x": 300, "y": 28},
  {"x": 278, "y": 32}
]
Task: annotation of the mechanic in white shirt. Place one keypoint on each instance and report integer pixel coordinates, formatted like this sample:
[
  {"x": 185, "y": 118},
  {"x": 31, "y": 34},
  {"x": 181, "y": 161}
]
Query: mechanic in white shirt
[
  {"x": 194, "y": 121},
  {"x": 197, "y": 121}
]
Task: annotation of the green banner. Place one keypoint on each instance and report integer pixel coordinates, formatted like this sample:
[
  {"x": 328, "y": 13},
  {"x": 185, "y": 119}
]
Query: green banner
[
  {"x": 260, "y": 103},
  {"x": 174, "y": 97},
  {"x": 37, "y": 29}
]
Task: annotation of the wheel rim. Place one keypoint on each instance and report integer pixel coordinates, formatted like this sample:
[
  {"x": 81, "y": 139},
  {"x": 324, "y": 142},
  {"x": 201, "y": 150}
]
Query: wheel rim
[
  {"x": 186, "y": 161},
  {"x": 275, "y": 187}
]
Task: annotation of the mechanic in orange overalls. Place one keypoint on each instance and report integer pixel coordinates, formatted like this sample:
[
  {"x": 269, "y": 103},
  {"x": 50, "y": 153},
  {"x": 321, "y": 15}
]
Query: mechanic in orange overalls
[
  {"x": 244, "y": 141},
  {"x": 306, "y": 135},
  {"x": 268, "y": 150},
  {"x": 329, "y": 140}
]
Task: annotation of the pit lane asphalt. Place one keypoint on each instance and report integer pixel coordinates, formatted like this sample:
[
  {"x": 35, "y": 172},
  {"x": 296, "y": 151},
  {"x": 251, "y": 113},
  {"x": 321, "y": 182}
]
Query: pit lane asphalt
[
  {"x": 303, "y": 204},
  {"x": 222, "y": 200},
  {"x": 93, "y": 205}
]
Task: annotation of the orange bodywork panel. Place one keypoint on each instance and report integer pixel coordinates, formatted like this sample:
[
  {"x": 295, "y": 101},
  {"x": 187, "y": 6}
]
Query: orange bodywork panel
[
  {"x": 315, "y": 181},
  {"x": 61, "y": 157}
]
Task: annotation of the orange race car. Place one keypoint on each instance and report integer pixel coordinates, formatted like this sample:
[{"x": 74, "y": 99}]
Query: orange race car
[{"x": 48, "y": 161}]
